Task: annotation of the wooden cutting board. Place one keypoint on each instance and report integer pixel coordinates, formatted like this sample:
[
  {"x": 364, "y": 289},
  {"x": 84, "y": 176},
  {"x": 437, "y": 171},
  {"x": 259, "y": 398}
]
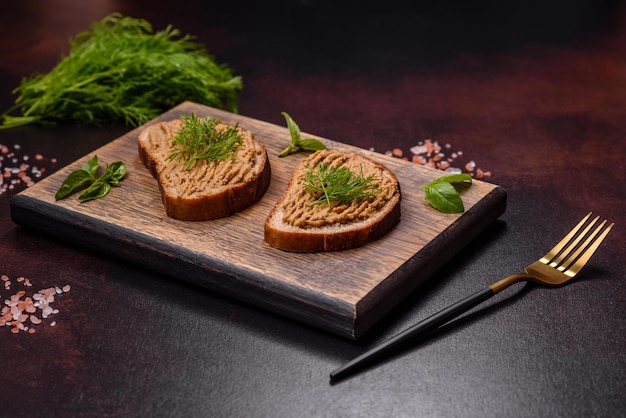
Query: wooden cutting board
[{"x": 343, "y": 292}]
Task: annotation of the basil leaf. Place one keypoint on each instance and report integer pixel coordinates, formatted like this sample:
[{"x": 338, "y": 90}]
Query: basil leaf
[
  {"x": 77, "y": 180},
  {"x": 298, "y": 144},
  {"x": 454, "y": 178},
  {"x": 92, "y": 166},
  {"x": 294, "y": 130},
  {"x": 114, "y": 173},
  {"x": 85, "y": 177},
  {"x": 286, "y": 151},
  {"x": 443, "y": 197},
  {"x": 97, "y": 190},
  {"x": 311, "y": 144}
]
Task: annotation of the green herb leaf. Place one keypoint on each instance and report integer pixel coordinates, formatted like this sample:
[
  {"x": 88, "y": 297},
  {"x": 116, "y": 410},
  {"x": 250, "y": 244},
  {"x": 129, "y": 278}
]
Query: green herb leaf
[
  {"x": 338, "y": 184},
  {"x": 444, "y": 197},
  {"x": 297, "y": 143},
  {"x": 459, "y": 180},
  {"x": 97, "y": 190},
  {"x": 121, "y": 70},
  {"x": 85, "y": 177},
  {"x": 92, "y": 166},
  {"x": 311, "y": 145},
  {"x": 294, "y": 129},
  {"x": 200, "y": 140},
  {"x": 114, "y": 173},
  {"x": 74, "y": 182},
  {"x": 443, "y": 192}
]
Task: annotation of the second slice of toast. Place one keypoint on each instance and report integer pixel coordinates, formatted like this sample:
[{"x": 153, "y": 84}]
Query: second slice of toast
[{"x": 301, "y": 222}]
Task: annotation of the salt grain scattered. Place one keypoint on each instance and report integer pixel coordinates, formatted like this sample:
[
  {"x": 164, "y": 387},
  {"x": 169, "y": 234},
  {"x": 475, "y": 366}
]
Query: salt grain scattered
[
  {"x": 19, "y": 312},
  {"x": 418, "y": 149},
  {"x": 14, "y": 166},
  {"x": 430, "y": 154}
]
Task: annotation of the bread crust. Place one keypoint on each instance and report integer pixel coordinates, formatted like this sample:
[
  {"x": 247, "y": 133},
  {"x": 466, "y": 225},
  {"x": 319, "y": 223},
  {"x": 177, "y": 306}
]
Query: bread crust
[
  {"x": 331, "y": 238},
  {"x": 153, "y": 146}
]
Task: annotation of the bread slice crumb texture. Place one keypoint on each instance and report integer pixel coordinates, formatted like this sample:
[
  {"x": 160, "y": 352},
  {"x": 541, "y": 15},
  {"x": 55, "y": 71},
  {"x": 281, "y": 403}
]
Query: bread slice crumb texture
[
  {"x": 206, "y": 175},
  {"x": 299, "y": 222},
  {"x": 302, "y": 210},
  {"x": 208, "y": 189}
]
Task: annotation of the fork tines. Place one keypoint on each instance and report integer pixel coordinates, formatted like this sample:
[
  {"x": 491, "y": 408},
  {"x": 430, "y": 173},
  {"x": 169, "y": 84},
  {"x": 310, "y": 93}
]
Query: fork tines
[{"x": 570, "y": 255}]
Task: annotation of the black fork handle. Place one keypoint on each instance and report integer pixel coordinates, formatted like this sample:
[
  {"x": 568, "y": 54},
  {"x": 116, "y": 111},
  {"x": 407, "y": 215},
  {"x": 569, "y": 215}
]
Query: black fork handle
[{"x": 420, "y": 328}]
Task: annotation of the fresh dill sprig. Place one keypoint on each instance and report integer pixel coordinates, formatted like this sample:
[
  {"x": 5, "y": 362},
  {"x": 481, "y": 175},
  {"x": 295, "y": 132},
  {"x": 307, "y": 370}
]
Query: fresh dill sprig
[
  {"x": 199, "y": 139},
  {"x": 330, "y": 184},
  {"x": 121, "y": 70}
]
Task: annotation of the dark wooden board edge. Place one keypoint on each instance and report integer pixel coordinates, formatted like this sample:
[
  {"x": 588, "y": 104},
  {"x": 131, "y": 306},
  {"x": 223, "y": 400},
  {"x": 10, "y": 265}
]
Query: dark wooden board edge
[
  {"x": 326, "y": 313},
  {"x": 431, "y": 258}
]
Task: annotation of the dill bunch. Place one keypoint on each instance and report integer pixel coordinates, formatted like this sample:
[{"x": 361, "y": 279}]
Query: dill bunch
[
  {"x": 338, "y": 184},
  {"x": 123, "y": 71},
  {"x": 200, "y": 140}
]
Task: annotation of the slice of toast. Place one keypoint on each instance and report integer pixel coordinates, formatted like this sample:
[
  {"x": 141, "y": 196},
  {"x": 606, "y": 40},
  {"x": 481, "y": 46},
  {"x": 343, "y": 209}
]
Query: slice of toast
[
  {"x": 208, "y": 189},
  {"x": 302, "y": 222}
]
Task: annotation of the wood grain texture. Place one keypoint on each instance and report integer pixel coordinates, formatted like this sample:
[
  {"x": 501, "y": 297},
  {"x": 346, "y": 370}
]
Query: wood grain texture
[{"x": 343, "y": 292}]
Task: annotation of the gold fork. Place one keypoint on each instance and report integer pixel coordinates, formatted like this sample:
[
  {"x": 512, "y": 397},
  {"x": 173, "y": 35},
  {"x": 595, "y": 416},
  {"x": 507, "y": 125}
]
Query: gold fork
[{"x": 560, "y": 265}]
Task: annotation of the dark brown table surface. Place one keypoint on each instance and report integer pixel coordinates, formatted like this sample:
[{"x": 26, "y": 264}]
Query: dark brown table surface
[{"x": 533, "y": 93}]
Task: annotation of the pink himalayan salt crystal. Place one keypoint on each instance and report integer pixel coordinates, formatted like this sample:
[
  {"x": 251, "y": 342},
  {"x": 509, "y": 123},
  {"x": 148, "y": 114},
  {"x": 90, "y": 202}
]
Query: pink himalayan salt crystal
[{"x": 19, "y": 310}]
